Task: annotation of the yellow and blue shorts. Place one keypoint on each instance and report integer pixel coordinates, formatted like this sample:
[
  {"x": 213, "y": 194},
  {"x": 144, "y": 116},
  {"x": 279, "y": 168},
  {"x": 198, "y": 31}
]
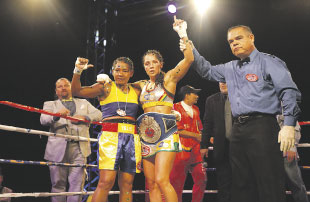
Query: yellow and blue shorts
[
  {"x": 158, "y": 132},
  {"x": 119, "y": 148}
]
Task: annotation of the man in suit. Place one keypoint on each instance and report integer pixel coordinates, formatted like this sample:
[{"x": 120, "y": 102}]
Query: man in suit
[
  {"x": 215, "y": 122},
  {"x": 64, "y": 150}
]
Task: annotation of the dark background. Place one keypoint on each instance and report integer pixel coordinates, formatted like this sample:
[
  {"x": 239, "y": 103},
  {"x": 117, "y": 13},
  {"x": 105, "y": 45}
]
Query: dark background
[{"x": 40, "y": 40}]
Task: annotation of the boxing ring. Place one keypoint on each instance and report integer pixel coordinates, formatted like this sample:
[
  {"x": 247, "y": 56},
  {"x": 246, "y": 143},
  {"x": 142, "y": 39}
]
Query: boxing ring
[{"x": 86, "y": 166}]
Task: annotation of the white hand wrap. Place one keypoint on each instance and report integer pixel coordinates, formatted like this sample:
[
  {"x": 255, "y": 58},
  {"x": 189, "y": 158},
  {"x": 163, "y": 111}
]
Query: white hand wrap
[
  {"x": 181, "y": 29},
  {"x": 182, "y": 45},
  {"x": 177, "y": 114},
  {"x": 103, "y": 78},
  {"x": 77, "y": 62},
  {"x": 78, "y": 70},
  {"x": 287, "y": 138}
]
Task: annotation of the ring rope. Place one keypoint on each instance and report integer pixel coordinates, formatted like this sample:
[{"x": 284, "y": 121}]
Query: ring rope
[
  {"x": 304, "y": 123},
  {"x": 12, "y": 161},
  {"x": 38, "y": 132},
  {"x": 48, "y": 194},
  {"x": 45, "y": 194},
  {"x": 303, "y": 145},
  {"x": 49, "y": 163},
  {"x": 23, "y": 162},
  {"x": 76, "y": 138},
  {"x": 37, "y": 110},
  {"x": 297, "y": 145}
]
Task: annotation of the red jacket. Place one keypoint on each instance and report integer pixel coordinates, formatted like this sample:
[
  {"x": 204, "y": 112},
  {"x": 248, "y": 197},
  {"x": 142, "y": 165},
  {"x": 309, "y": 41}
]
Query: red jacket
[{"x": 190, "y": 124}]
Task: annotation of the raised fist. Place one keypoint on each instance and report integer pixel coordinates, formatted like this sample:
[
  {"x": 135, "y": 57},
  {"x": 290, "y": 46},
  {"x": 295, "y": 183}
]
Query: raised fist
[
  {"x": 180, "y": 27},
  {"x": 80, "y": 65}
]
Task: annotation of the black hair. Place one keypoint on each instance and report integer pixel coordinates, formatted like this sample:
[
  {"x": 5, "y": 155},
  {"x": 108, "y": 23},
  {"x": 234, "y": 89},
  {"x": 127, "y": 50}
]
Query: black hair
[
  {"x": 126, "y": 60},
  {"x": 247, "y": 28}
]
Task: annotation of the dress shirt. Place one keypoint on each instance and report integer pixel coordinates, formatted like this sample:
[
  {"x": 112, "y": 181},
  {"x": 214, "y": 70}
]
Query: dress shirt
[{"x": 70, "y": 105}]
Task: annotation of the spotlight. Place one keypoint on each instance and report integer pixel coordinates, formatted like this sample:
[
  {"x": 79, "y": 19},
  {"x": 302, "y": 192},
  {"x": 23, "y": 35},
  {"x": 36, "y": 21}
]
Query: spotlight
[
  {"x": 202, "y": 5},
  {"x": 172, "y": 7}
]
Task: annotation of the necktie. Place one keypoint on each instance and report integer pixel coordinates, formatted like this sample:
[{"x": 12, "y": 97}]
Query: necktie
[
  {"x": 70, "y": 105},
  {"x": 228, "y": 119},
  {"x": 242, "y": 62}
]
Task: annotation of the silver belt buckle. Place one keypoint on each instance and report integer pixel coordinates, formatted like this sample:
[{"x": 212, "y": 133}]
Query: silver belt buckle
[
  {"x": 149, "y": 130},
  {"x": 243, "y": 119}
]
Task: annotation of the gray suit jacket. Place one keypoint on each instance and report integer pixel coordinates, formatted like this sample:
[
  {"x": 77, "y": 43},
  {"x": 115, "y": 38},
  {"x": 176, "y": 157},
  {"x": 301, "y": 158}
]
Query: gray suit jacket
[{"x": 56, "y": 146}]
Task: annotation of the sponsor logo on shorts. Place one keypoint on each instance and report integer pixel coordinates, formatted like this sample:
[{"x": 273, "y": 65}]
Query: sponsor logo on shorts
[
  {"x": 145, "y": 150},
  {"x": 139, "y": 166},
  {"x": 251, "y": 77},
  {"x": 167, "y": 144}
]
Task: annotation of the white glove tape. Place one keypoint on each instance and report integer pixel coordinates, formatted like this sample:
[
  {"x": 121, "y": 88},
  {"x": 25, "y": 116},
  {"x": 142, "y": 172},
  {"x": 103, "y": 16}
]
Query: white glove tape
[
  {"x": 177, "y": 114},
  {"x": 103, "y": 78},
  {"x": 181, "y": 29},
  {"x": 77, "y": 71},
  {"x": 77, "y": 62},
  {"x": 182, "y": 45}
]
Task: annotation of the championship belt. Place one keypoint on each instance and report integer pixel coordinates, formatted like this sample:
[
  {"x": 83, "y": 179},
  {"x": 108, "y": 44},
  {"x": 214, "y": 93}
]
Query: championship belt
[
  {"x": 149, "y": 130},
  {"x": 154, "y": 127}
]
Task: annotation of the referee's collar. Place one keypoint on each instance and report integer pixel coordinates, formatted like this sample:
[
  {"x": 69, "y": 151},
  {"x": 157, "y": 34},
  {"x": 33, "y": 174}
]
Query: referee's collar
[{"x": 248, "y": 59}]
